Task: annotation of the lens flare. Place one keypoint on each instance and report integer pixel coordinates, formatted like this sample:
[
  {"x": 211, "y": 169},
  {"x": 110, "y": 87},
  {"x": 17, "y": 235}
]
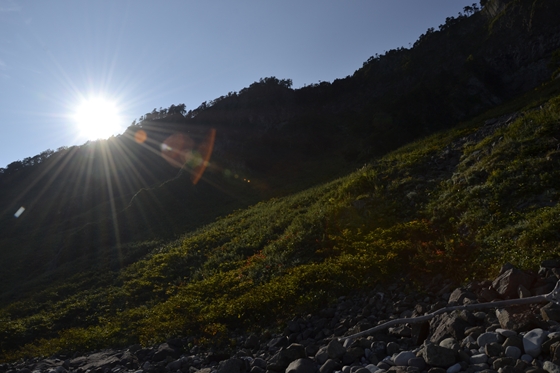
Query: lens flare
[
  {"x": 182, "y": 151},
  {"x": 19, "y": 212},
  {"x": 140, "y": 136}
]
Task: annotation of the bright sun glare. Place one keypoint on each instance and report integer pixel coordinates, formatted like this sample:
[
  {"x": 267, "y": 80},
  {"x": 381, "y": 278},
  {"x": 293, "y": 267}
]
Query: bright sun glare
[{"x": 97, "y": 118}]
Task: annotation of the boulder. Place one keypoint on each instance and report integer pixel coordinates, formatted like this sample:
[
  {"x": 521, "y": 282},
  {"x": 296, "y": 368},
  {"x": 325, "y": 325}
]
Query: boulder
[
  {"x": 448, "y": 325},
  {"x": 532, "y": 342},
  {"x": 283, "y": 358},
  {"x": 302, "y": 365},
  {"x": 439, "y": 356},
  {"x": 231, "y": 366},
  {"x": 507, "y": 284}
]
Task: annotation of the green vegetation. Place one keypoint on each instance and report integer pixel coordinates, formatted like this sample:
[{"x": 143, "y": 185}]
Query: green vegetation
[
  {"x": 459, "y": 203},
  {"x": 101, "y": 256}
]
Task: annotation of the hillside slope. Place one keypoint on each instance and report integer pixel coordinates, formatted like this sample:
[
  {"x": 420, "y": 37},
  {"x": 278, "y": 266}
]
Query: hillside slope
[{"x": 456, "y": 204}]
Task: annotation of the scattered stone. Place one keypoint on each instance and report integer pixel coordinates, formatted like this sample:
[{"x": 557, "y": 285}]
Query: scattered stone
[
  {"x": 516, "y": 318},
  {"x": 465, "y": 341},
  {"x": 402, "y": 358},
  {"x": 456, "y": 368},
  {"x": 283, "y": 358},
  {"x": 417, "y": 362},
  {"x": 335, "y": 349},
  {"x": 486, "y": 338},
  {"x": 508, "y": 282},
  {"x": 551, "y": 367},
  {"x": 439, "y": 356},
  {"x": 503, "y": 362},
  {"x": 513, "y": 352},
  {"x": 392, "y": 348},
  {"x": 551, "y": 312},
  {"x": 516, "y": 341},
  {"x": 302, "y": 365},
  {"x": 493, "y": 349},
  {"x": 532, "y": 342},
  {"x": 372, "y": 368},
  {"x": 448, "y": 326},
  {"x": 230, "y": 366},
  {"x": 479, "y": 359},
  {"x": 328, "y": 367},
  {"x": 506, "y": 332}
]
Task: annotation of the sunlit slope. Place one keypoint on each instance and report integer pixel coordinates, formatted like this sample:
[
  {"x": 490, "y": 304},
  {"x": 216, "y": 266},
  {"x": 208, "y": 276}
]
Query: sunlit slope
[{"x": 459, "y": 203}]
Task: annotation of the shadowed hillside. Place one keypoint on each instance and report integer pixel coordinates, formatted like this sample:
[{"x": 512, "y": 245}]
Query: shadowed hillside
[{"x": 122, "y": 224}]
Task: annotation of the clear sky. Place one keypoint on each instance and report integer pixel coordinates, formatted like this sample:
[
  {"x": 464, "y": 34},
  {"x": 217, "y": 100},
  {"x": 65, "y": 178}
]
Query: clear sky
[{"x": 139, "y": 55}]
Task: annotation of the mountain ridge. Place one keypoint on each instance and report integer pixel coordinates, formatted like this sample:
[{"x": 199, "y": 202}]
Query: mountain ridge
[{"x": 118, "y": 210}]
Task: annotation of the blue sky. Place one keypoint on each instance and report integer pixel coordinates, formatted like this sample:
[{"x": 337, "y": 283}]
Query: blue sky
[{"x": 142, "y": 55}]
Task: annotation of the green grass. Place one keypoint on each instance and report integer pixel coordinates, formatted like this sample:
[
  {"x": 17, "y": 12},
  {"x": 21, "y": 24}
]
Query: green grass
[{"x": 496, "y": 202}]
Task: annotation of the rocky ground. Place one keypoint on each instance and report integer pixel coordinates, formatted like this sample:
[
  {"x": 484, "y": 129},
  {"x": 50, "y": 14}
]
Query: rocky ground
[{"x": 514, "y": 339}]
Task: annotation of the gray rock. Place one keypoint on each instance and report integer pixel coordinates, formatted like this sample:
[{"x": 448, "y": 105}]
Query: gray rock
[
  {"x": 231, "y": 366},
  {"x": 436, "y": 370},
  {"x": 449, "y": 326},
  {"x": 439, "y": 356},
  {"x": 352, "y": 354},
  {"x": 335, "y": 349},
  {"x": 516, "y": 341},
  {"x": 278, "y": 342},
  {"x": 532, "y": 342},
  {"x": 102, "y": 360},
  {"x": 523, "y": 292},
  {"x": 383, "y": 365},
  {"x": 174, "y": 365},
  {"x": 456, "y": 368},
  {"x": 508, "y": 282},
  {"x": 513, "y": 352},
  {"x": 502, "y": 362},
  {"x": 328, "y": 367},
  {"x": 551, "y": 367},
  {"x": 417, "y": 362},
  {"x": 302, "y": 365},
  {"x": 478, "y": 359},
  {"x": 554, "y": 351},
  {"x": 163, "y": 351},
  {"x": 252, "y": 341},
  {"x": 486, "y": 338},
  {"x": 258, "y": 362},
  {"x": 463, "y": 356},
  {"x": 361, "y": 370},
  {"x": 79, "y": 361},
  {"x": 489, "y": 294},
  {"x": 506, "y": 333},
  {"x": 515, "y": 318},
  {"x": 371, "y": 368},
  {"x": 450, "y": 343},
  {"x": 478, "y": 367},
  {"x": 553, "y": 339},
  {"x": 322, "y": 355},
  {"x": 551, "y": 312},
  {"x": 283, "y": 358},
  {"x": 460, "y": 295},
  {"x": 493, "y": 349},
  {"x": 392, "y": 348},
  {"x": 527, "y": 358},
  {"x": 403, "y": 357}
]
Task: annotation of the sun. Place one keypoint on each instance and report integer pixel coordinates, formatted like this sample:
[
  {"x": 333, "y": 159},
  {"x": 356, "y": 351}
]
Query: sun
[{"x": 97, "y": 118}]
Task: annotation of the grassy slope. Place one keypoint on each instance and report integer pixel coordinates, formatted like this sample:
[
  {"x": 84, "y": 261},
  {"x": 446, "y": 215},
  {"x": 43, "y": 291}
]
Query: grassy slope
[{"x": 460, "y": 202}]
